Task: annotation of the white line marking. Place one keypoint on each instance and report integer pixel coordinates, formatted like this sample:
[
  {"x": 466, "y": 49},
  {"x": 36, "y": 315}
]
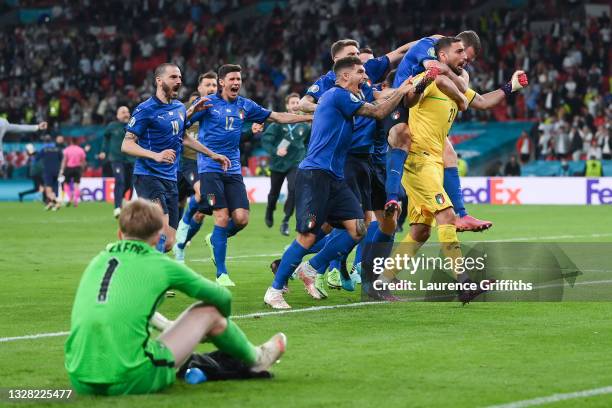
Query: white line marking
[
  {"x": 556, "y": 398},
  {"x": 245, "y": 316},
  {"x": 536, "y": 238},
  {"x": 238, "y": 257}
]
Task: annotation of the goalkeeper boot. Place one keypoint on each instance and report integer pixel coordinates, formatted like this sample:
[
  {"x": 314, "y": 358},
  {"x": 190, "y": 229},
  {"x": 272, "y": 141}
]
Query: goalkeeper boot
[
  {"x": 469, "y": 223},
  {"x": 269, "y": 352}
]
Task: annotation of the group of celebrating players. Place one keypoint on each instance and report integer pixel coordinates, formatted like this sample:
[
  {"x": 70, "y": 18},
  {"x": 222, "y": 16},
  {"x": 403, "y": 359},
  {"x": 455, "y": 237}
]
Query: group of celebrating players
[{"x": 374, "y": 129}]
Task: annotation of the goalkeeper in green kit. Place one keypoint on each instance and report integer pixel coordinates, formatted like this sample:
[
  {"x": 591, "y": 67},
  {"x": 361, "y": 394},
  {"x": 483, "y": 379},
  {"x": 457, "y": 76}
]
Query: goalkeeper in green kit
[{"x": 110, "y": 350}]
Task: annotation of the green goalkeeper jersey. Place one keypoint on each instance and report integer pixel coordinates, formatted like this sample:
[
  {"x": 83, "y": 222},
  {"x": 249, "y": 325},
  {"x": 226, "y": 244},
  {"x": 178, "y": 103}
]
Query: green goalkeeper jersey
[{"x": 118, "y": 294}]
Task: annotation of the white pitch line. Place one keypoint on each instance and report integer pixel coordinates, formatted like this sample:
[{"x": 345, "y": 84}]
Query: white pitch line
[
  {"x": 536, "y": 238},
  {"x": 245, "y": 316},
  {"x": 238, "y": 257},
  {"x": 556, "y": 398}
]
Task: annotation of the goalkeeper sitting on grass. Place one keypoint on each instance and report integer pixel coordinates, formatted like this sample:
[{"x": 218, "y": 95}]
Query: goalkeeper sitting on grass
[{"x": 110, "y": 350}]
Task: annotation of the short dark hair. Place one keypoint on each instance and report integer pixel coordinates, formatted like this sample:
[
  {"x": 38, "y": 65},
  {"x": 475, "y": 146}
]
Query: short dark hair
[
  {"x": 346, "y": 62},
  {"x": 228, "y": 68},
  {"x": 342, "y": 44},
  {"x": 390, "y": 77},
  {"x": 161, "y": 69},
  {"x": 445, "y": 42},
  {"x": 366, "y": 50},
  {"x": 207, "y": 75},
  {"x": 470, "y": 39},
  {"x": 291, "y": 95}
]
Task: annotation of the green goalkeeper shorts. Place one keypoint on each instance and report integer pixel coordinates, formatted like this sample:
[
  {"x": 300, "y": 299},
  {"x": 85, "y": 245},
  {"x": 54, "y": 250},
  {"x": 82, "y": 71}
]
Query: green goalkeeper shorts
[{"x": 145, "y": 379}]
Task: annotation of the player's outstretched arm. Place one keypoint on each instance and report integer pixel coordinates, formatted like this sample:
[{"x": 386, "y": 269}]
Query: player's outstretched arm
[
  {"x": 489, "y": 100},
  {"x": 199, "y": 147},
  {"x": 285, "y": 117},
  {"x": 130, "y": 146},
  {"x": 383, "y": 107},
  {"x": 307, "y": 104}
]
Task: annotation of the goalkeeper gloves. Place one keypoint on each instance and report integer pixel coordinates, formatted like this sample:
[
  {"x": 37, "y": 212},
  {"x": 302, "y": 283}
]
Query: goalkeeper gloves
[{"x": 518, "y": 81}]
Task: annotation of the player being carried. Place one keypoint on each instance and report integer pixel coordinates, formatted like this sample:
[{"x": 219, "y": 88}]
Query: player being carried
[
  {"x": 110, "y": 349},
  {"x": 192, "y": 219},
  {"x": 429, "y": 122},
  {"x": 323, "y": 197},
  {"x": 155, "y": 134},
  {"x": 223, "y": 192},
  {"x": 420, "y": 57}
]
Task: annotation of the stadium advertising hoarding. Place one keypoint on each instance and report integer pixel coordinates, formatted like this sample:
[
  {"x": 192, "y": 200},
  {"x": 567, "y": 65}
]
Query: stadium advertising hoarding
[{"x": 476, "y": 190}]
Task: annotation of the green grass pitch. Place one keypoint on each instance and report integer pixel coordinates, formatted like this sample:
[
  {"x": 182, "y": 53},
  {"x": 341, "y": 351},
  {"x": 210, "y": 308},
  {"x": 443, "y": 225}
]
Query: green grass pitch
[{"x": 396, "y": 355}]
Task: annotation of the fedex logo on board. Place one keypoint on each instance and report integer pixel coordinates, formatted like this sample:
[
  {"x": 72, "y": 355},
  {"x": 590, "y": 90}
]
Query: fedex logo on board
[
  {"x": 494, "y": 192},
  {"x": 595, "y": 194}
]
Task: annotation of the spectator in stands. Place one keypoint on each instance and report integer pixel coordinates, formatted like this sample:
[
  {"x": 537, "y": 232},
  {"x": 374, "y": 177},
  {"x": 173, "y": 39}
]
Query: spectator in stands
[
  {"x": 523, "y": 147},
  {"x": 494, "y": 169},
  {"x": 513, "y": 168},
  {"x": 564, "y": 171},
  {"x": 462, "y": 166},
  {"x": 593, "y": 167},
  {"x": 594, "y": 149},
  {"x": 562, "y": 140},
  {"x": 605, "y": 141},
  {"x": 576, "y": 143}
]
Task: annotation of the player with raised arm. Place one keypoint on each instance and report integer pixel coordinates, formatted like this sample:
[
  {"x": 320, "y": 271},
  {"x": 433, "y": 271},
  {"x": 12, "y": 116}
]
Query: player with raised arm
[
  {"x": 323, "y": 198},
  {"x": 192, "y": 219},
  {"x": 7, "y": 127},
  {"x": 223, "y": 192},
  {"x": 420, "y": 57},
  {"x": 122, "y": 164},
  {"x": 155, "y": 135},
  {"x": 110, "y": 349},
  {"x": 430, "y": 120}
]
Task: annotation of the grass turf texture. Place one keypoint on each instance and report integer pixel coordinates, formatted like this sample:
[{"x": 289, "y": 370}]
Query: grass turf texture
[{"x": 416, "y": 354}]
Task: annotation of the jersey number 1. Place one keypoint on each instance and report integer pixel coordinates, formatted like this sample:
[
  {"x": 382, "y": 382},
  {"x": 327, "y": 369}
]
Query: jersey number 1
[{"x": 112, "y": 266}]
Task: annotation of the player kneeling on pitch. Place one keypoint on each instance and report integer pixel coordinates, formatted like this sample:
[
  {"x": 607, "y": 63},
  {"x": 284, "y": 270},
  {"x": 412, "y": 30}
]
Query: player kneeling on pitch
[{"x": 110, "y": 350}]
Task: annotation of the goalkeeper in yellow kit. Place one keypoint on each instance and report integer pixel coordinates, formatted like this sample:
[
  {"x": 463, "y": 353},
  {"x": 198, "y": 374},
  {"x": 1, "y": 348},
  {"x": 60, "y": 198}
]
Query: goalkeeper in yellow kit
[{"x": 429, "y": 122}]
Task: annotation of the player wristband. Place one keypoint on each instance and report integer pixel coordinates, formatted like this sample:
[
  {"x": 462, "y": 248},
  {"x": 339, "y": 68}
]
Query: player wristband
[{"x": 507, "y": 88}]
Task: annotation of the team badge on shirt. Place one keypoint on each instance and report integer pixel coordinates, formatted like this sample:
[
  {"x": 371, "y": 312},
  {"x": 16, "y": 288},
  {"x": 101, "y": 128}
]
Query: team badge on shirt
[
  {"x": 395, "y": 115},
  {"x": 241, "y": 114},
  {"x": 312, "y": 221},
  {"x": 440, "y": 199},
  {"x": 314, "y": 88}
]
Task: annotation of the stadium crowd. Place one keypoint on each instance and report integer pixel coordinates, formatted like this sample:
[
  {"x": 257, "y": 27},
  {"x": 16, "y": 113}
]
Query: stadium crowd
[{"x": 79, "y": 63}]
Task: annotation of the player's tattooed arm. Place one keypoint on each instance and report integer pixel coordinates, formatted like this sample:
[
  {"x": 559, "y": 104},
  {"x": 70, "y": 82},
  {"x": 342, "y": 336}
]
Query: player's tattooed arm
[
  {"x": 199, "y": 147},
  {"x": 285, "y": 117},
  {"x": 130, "y": 146},
  {"x": 380, "y": 110},
  {"x": 361, "y": 228},
  {"x": 307, "y": 104}
]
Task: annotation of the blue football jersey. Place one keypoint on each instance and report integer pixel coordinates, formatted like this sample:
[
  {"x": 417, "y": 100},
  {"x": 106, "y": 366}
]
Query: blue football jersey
[
  {"x": 363, "y": 132},
  {"x": 376, "y": 68},
  {"x": 412, "y": 63},
  {"x": 221, "y": 128},
  {"x": 332, "y": 131},
  {"x": 159, "y": 126}
]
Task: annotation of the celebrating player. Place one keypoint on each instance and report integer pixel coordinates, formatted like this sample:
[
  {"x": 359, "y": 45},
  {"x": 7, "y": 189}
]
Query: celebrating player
[
  {"x": 286, "y": 146},
  {"x": 429, "y": 121},
  {"x": 155, "y": 134},
  {"x": 420, "y": 57},
  {"x": 223, "y": 193},
  {"x": 122, "y": 164},
  {"x": 110, "y": 350},
  {"x": 323, "y": 197},
  {"x": 192, "y": 219}
]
